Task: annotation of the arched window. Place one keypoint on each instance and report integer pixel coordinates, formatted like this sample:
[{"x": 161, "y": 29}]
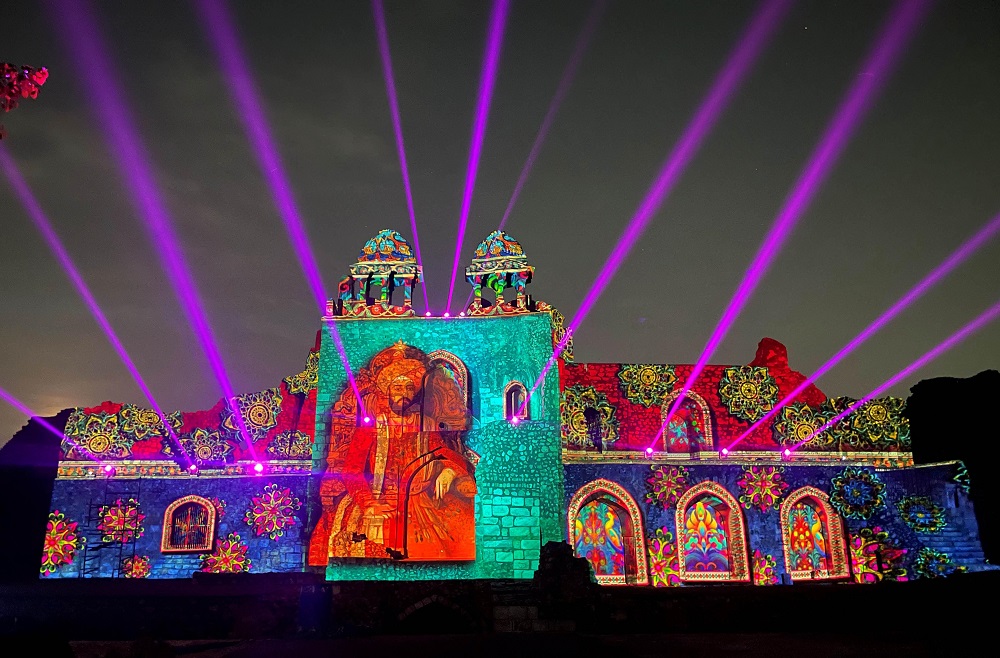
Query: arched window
[
  {"x": 188, "y": 525},
  {"x": 813, "y": 536},
  {"x": 515, "y": 401},
  {"x": 690, "y": 428},
  {"x": 711, "y": 535},
  {"x": 443, "y": 358},
  {"x": 605, "y": 527}
]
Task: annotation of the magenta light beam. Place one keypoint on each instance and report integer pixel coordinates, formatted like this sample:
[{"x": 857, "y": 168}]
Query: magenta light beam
[
  {"x": 79, "y": 29},
  {"x": 569, "y": 74},
  {"x": 220, "y": 28},
  {"x": 899, "y": 26},
  {"x": 987, "y": 316},
  {"x": 487, "y": 80},
  {"x": 44, "y": 227},
  {"x": 768, "y": 17},
  {"x": 23, "y": 408},
  {"x": 959, "y": 256},
  {"x": 378, "y": 11}
]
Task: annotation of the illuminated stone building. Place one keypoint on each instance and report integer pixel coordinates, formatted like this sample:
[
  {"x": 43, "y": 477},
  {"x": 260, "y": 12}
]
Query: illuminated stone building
[{"x": 452, "y": 448}]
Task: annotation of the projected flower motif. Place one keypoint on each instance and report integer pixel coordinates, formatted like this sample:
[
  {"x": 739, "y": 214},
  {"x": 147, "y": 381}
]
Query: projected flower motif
[
  {"x": 220, "y": 508},
  {"x": 559, "y": 332},
  {"x": 272, "y": 511},
  {"x": 121, "y": 521},
  {"x": 664, "y": 565},
  {"x": 202, "y": 445},
  {"x": 229, "y": 556},
  {"x": 857, "y": 493},
  {"x": 388, "y": 245},
  {"x": 962, "y": 477},
  {"x": 748, "y": 392},
  {"x": 306, "y": 380},
  {"x": 762, "y": 486},
  {"x": 574, "y": 428},
  {"x": 61, "y": 542},
  {"x": 842, "y": 433},
  {"x": 260, "y": 412},
  {"x": 136, "y": 567},
  {"x": 922, "y": 514},
  {"x": 935, "y": 564},
  {"x": 666, "y": 484},
  {"x": 97, "y": 435},
  {"x": 764, "y": 572},
  {"x": 499, "y": 245},
  {"x": 292, "y": 444},
  {"x": 797, "y": 423},
  {"x": 646, "y": 384},
  {"x": 875, "y": 556},
  {"x": 881, "y": 420},
  {"x": 140, "y": 423}
]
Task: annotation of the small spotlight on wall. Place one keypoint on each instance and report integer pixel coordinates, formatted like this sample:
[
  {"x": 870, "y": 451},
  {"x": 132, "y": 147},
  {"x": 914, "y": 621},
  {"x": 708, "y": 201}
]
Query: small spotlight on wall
[
  {"x": 787, "y": 452},
  {"x": 109, "y": 470},
  {"x": 193, "y": 469},
  {"x": 514, "y": 420},
  {"x": 258, "y": 468},
  {"x": 649, "y": 451},
  {"x": 462, "y": 314},
  {"x": 843, "y": 458},
  {"x": 447, "y": 314},
  {"x": 427, "y": 314},
  {"x": 367, "y": 420},
  {"x": 724, "y": 452}
]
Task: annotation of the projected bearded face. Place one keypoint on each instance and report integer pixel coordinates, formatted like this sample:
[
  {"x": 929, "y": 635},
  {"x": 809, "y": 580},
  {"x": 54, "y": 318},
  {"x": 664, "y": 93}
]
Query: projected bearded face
[{"x": 402, "y": 392}]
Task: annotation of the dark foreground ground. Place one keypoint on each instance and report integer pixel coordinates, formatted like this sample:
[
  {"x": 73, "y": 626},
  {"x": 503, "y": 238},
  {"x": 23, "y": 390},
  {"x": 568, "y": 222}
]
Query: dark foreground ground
[{"x": 557, "y": 615}]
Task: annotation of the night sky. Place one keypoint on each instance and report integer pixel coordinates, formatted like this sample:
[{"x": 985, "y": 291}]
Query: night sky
[{"x": 919, "y": 176}]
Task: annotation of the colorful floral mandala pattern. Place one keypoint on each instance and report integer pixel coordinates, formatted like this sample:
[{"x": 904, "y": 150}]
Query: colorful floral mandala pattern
[
  {"x": 388, "y": 245},
  {"x": 763, "y": 487},
  {"x": 664, "y": 565},
  {"x": 764, "y": 569},
  {"x": 748, "y": 392},
  {"x": 97, "y": 435},
  {"x": 306, "y": 380},
  {"x": 260, "y": 412},
  {"x": 882, "y": 422},
  {"x": 220, "y": 508},
  {"x": 665, "y": 485},
  {"x": 797, "y": 423},
  {"x": 559, "y": 333},
  {"x": 575, "y": 432},
  {"x": 499, "y": 245},
  {"x": 229, "y": 556},
  {"x": 61, "y": 542},
  {"x": 646, "y": 384},
  {"x": 140, "y": 423},
  {"x": 202, "y": 445},
  {"x": 875, "y": 556},
  {"x": 272, "y": 511},
  {"x": 292, "y": 444},
  {"x": 842, "y": 434},
  {"x": 121, "y": 521},
  {"x": 136, "y": 567},
  {"x": 857, "y": 493},
  {"x": 935, "y": 564},
  {"x": 922, "y": 514}
]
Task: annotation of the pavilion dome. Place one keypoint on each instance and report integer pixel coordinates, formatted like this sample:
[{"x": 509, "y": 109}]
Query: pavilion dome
[
  {"x": 387, "y": 247},
  {"x": 498, "y": 245}
]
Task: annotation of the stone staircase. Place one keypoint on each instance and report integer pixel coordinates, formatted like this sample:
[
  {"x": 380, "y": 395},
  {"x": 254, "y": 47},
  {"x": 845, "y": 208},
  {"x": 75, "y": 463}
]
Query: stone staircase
[{"x": 961, "y": 548}]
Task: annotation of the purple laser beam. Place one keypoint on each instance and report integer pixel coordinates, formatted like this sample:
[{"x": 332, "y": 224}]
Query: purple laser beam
[
  {"x": 80, "y": 30},
  {"x": 487, "y": 80},
  {"x": 30, "y": 203},
  {"x": 987, "y": 316},
  {"x": 23, "y": 408},
  {"x": 959, "y": 256},
  {"x": 218, "y": 24},
  {"x": 378, "y": 11},
  {"x": 896, "y": 31},
  {"x": 580, "y": 48},
  {"x": 758, "y": 33}
]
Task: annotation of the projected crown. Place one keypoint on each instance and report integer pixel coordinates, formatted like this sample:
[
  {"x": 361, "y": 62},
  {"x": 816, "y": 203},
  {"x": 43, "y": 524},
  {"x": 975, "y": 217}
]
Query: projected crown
[
  {"x": 385, "y": 264},
  {"x": 499, "y": 263}
]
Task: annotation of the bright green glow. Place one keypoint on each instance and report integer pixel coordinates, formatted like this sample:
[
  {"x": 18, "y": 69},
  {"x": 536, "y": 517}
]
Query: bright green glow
[{"x": 519, "y": 506}]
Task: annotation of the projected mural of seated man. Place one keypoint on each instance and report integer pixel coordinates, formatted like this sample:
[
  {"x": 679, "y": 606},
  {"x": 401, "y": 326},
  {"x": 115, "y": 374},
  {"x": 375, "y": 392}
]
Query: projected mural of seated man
[{"x": 401, "y": 486}]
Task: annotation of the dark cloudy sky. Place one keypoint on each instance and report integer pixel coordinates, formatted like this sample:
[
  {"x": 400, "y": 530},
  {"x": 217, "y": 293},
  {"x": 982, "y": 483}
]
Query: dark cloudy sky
[{"x": 920, "y": 175}]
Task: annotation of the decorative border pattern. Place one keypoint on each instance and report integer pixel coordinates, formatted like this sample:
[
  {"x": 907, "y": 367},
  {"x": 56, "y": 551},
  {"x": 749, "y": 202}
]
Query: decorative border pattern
[
  {"x": 592, "y": 490},
  {"x": 834, "y": 530},
  {"x": 736, "y": 531},
  {"x": 162, "y": 468},
  {"x": 166, "y": 547},
  {"x": 706, "y": 413},
  {"x": 881, "y": 461},
  {"x": 457, "y": 366}
]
